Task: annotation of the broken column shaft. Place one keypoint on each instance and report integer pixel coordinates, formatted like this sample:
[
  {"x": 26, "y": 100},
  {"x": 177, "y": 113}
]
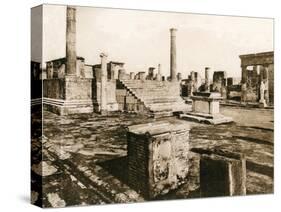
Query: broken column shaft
[
  {"x": 70, "y": 41},
  {"x": 103, "y": 105},
  {"x": 173, "y": 56},
  {"x": 207, "y": 79}
]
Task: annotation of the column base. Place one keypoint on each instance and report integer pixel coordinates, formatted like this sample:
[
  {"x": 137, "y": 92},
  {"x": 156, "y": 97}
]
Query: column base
[
  {"x": 206, "y": 118},
  {"x": 66, "y": 107}
]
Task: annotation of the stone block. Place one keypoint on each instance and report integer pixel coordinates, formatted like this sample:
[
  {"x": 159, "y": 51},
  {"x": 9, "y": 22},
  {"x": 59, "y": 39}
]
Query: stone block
[
  {"x": 157, "y": 157},
  {"x": 222, "y": 174}
]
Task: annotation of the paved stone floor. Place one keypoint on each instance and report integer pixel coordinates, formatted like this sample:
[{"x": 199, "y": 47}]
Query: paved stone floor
[{"x": 85, "y": 155}]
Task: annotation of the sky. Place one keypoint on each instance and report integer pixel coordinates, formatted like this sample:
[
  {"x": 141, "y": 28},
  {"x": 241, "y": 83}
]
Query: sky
[{"x": 141, "y": 39}]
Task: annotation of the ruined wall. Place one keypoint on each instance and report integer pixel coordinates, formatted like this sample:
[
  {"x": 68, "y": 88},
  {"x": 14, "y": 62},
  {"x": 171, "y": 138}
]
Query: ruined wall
[
  {"x": 250, "y": 63},
  {"x": 56, "y": 68}
]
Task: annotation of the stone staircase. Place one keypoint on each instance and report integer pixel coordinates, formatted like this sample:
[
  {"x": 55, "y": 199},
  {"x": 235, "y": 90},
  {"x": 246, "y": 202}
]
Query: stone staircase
[{"x": 160, "y": 98}]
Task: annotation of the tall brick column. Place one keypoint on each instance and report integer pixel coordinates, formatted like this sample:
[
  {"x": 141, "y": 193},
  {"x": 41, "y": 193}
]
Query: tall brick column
[
  {"x": 70, "y": 41},
  {"x": 173, "y": 56},
  {"x": 103, "y": 103}
]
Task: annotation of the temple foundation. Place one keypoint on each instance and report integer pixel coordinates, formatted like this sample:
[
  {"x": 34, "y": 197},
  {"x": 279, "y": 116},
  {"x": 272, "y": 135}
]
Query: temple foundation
[{"x": 71, "y": 94}]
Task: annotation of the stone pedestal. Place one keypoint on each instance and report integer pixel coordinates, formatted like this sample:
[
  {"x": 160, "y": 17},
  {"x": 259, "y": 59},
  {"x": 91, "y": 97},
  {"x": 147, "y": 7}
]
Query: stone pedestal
[
  {"x": 157, "y": 157},
  {"x": 69, "y": 95},
  {"x": 206, "y": 109}
]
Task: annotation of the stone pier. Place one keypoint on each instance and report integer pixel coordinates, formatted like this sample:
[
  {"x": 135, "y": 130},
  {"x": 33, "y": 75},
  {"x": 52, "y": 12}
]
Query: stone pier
[{"x": 173, "y": 56}]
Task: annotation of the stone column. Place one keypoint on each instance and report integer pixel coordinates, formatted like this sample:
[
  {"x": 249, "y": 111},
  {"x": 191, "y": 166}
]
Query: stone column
[
  {"x": 244, "y": 74},
  {"x": 158, "y": 75},
  {"x": 103, "y": 100},
  {"x": 159, "y": 69},
  {"x": 70, "y": 68},
  {"x": 173, "y": 56},
  {"x": 121, "y": 74},
  {"x": 266, "y": 93},
  {"x": 192, "y": 87},
  {"x": 132, "y": 75},
  {"x": 207, "y": 79},
  {"x": 179, "y": 76}
]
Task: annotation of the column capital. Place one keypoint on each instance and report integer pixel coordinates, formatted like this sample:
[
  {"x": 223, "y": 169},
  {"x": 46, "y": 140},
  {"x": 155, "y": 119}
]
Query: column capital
[
  {"x": 173, "y": 31},
  {"x": 103, "y": 55}
]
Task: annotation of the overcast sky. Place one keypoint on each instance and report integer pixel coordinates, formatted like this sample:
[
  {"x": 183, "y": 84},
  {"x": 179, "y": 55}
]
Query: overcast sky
[{"x": 142, "y": 39}]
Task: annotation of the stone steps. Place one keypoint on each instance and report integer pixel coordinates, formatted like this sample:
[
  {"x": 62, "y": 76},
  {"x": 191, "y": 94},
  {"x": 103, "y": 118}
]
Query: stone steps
[{"x": 160, "y": 98}]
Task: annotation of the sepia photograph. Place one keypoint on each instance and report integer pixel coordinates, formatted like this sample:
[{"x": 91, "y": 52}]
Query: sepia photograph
[{"x": 133, "y": 106}]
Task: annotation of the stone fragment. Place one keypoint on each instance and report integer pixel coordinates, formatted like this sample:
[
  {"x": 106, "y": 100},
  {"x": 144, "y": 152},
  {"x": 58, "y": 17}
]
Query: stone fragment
[{"x": 222, "y": 174}]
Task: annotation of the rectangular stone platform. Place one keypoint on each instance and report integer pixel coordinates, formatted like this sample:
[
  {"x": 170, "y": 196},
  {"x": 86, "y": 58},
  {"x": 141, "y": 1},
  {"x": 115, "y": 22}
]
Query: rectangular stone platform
[
  {"x": 157, "y": 157},
  {"x": 206, "y": 109}
]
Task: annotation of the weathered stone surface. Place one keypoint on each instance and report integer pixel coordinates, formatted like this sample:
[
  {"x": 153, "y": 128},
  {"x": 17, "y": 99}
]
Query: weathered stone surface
[
  {"x": 206, "y": 109},
  {"x": 157, "y": 157},
  {"x": 173, "y": 55},
  {"x": 71, "y": 41},
  {"x": 222, "y": 173},
  {"x": 252, "y": 137},
  {"x": 156, "y": 96}
]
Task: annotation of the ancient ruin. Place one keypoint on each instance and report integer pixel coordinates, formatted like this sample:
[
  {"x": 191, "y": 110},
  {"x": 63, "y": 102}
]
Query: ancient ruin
[
  {"x": 113, "y": 134},
  {"x": 258, "y": 78}
]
